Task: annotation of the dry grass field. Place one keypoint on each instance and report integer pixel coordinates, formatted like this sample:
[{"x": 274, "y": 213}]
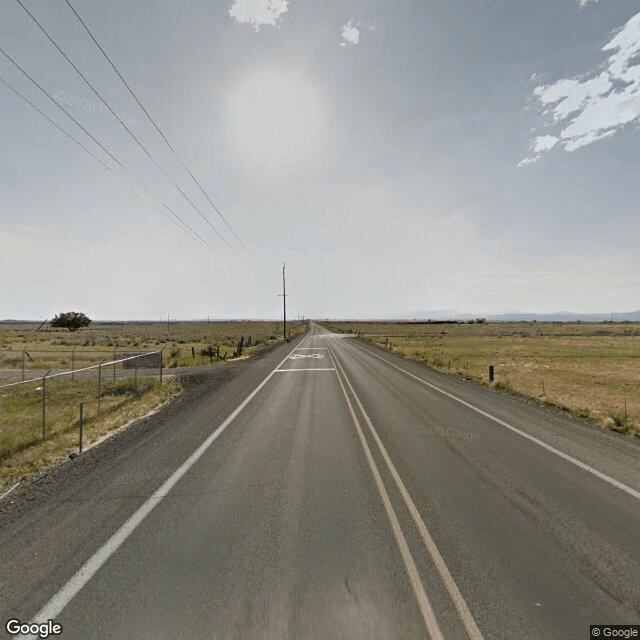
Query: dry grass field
[
  {"x": 182, "y": 343},
  {"x": 109, "y": 401},
  {"x": 589, "y": 369}
]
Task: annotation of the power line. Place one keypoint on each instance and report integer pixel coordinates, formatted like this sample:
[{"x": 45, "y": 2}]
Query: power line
[
  {"x": 88, "y": 133},
  {"x": 56, "y": 125},
  {"x": 157, "y": 128},
  {"x": 127, "y": 129},
  {"x": 190, "y": 231},
  {"x": 187, "y": 230}
]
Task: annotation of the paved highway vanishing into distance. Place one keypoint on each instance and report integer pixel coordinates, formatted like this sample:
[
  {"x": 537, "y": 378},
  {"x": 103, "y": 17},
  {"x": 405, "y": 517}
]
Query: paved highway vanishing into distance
[{"x": 328, "y": 489}]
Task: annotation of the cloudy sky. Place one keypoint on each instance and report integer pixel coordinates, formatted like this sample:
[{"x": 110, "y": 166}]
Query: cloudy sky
[{"x": 401, "y": 157}]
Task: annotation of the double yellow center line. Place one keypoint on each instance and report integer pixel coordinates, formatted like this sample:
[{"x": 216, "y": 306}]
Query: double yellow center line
[{"x": 426, "y": 609}]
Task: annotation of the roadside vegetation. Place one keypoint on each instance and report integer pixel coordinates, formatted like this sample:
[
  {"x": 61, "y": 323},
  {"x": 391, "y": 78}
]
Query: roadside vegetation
[
  {"x": 186, "y": 344},
  {"x": 109, "y": 400},
  {"x": 24, "y": 450},
  {"x": 591, "y": 370}
]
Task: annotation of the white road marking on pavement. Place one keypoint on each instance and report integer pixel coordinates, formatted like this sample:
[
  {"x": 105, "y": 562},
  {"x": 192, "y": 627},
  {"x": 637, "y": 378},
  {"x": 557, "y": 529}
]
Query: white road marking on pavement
[
  {"x": 450, "y": 584},
  {"x": 414, "y": 577},
  {"x": 311, "y": 348},
  {"x": 299, "y": 356},
  {"x": 60, "y": 600},
  {"x": 303, "y": 369},
  {"x": 6, "y": 493},
  {"x": 544, "y": 445}
]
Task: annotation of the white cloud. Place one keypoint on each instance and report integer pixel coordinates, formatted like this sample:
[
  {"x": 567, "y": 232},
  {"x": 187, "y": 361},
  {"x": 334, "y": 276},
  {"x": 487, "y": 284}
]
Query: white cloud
[
  {"x": 572, "y": 95},
  {"x": 585, "y": 110},
  {"x": 258, "y": 12},
  {"x": 544, "y": 143},
  {"x": 350, "y": 34},
  {"x": 530, "y": 160}
]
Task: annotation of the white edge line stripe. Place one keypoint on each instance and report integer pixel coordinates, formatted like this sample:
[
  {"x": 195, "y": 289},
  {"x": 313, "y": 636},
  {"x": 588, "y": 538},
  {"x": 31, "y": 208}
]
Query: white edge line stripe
[
  {"x": 458, "y": 600},
  {"x": 544, "y": 445},
  {"x": 88, "y": 570},
  {"x": 6, "y": 493},
  {"x": 426, "y": 609}
]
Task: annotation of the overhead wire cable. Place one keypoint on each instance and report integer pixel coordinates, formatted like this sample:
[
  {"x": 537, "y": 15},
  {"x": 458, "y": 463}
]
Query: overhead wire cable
[
  {"x": 88, "y": 133},
  {"x": 153, "y": 122},
  {"x": 119, "y": 119},
  {"x": 55, "y": 124}
]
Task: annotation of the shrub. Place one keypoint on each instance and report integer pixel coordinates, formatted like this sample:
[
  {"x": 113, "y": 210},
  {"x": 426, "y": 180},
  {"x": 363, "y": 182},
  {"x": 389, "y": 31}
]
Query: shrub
[{"x": 620, "y": 422}]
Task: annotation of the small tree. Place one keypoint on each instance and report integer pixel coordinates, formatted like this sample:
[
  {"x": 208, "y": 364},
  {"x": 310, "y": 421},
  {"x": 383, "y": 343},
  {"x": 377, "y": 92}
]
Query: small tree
[{"x": 71, "y": 320}]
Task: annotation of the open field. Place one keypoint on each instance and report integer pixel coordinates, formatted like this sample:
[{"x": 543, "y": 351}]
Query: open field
[
  {"x": 183, "y": 342},
  {"x": 592, "y": 370},
  {"x": 109, "y": 401}
]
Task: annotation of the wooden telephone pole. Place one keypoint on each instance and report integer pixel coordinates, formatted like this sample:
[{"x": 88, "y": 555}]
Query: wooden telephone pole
[{"x": 284, "y": 302}]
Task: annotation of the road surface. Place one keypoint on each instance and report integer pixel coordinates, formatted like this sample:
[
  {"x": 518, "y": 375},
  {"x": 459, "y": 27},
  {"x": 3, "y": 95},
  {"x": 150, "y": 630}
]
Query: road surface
[{"x": 329, "y": 489}]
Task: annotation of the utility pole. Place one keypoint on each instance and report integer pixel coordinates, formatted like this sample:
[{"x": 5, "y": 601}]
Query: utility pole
[{"x": 284, "y": 302}]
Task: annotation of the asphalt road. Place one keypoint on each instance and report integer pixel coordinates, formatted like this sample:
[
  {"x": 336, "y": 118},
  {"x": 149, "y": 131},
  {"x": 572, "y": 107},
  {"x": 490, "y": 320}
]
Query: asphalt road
[{"x": 332, "y": 490}]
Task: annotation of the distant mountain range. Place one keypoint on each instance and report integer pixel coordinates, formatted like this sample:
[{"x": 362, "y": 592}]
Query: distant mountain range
[
  {"x": 507, "y": 316},
  {"x": 521, "y": 316},
  {"x": 450, "y": 314}
]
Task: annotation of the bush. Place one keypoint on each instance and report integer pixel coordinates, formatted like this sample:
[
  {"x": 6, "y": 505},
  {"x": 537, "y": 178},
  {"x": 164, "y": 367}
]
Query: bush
[
  {"x": 210, "y": 352},
  {"x": 620, "y": 422}
]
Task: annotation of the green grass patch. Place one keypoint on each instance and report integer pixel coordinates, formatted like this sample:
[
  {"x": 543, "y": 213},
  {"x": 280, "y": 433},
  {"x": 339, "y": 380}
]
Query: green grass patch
[{"x": 25, "y": 448}]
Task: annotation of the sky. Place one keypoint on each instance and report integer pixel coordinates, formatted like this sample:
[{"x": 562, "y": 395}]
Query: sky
[{"x": 401, "y": 158}]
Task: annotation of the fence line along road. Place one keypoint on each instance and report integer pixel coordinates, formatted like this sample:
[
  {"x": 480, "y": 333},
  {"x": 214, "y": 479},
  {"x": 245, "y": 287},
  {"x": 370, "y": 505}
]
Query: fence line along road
[{"x": 95, "y": 366}]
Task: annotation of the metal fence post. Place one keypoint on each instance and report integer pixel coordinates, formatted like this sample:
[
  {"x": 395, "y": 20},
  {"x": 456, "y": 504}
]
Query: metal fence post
[
  {"x": 491, "y": 375},
  {"x": 73, "y": 363},
  {"x": 161, "y": 366},
  {"x": 99, "y": 384},
  {"x": 114, "y": 364},
  {"x": 44, "y": 400},
  {"x": 22, "y": 379},
  {"x": 81, "y": 412},
  {"x": 135, "y": 376},
  {"x": 44, "y": 381}
]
